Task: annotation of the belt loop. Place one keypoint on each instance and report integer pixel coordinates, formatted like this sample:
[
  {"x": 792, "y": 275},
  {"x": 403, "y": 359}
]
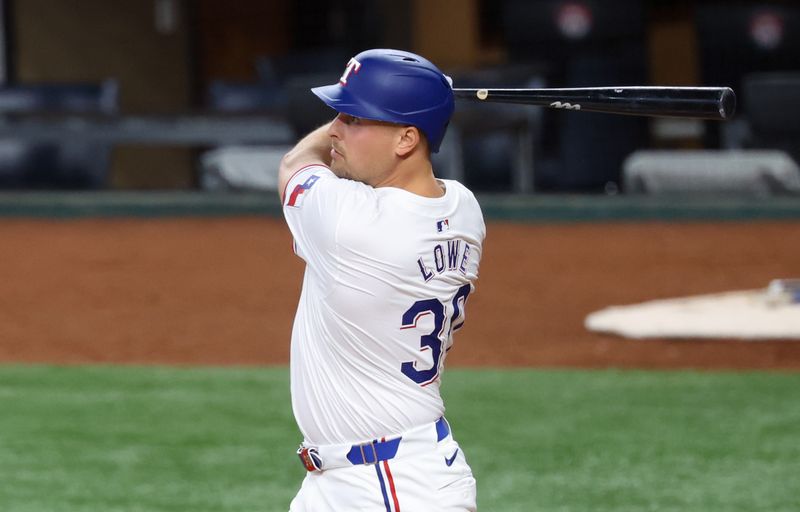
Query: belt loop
[{"x": 374, "y": 453}]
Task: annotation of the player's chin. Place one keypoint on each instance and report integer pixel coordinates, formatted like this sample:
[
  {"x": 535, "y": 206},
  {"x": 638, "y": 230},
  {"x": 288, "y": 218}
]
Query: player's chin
[{"x": 339, "y": 169}]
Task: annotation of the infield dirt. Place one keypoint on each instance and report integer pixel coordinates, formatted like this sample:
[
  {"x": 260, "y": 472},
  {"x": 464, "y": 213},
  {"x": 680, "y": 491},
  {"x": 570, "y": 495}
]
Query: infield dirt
[{"x": 224, "y": 290}]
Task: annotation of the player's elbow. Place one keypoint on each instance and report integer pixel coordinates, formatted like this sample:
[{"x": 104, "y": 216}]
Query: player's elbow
[
  {"x": 287, "y": 162},
  {"x": 288, "y": 166},
  {"x": 295, "y": 159}
]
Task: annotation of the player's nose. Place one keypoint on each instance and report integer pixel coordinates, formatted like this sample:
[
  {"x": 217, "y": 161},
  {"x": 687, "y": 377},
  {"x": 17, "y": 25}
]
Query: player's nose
[{"x": 334, "y": 130}]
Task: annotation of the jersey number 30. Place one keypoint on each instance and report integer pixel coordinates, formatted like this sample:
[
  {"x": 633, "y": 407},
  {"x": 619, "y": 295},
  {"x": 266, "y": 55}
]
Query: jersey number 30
[{"x": 435, "y": 340}]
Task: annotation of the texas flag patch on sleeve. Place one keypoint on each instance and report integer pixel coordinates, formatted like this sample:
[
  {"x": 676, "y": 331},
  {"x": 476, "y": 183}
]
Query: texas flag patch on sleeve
[{"x": 295, "y": 198}]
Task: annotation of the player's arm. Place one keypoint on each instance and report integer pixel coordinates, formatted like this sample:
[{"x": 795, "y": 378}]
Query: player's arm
[{"x": 313, "y": 149}]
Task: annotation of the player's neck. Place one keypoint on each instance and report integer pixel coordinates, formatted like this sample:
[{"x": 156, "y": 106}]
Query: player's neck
[
  {"x": 414, "y": 175},
  {"x": 428, "y": 186}
]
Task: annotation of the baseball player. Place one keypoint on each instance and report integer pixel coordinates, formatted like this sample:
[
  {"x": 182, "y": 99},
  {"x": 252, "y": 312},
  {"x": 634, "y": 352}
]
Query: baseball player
[{"x": 391, "y": 257}]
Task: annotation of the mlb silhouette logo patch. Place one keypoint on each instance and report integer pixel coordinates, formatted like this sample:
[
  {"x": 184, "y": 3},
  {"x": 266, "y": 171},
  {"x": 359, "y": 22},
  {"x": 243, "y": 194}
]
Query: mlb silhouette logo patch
[{"x": 442, "y": 225}]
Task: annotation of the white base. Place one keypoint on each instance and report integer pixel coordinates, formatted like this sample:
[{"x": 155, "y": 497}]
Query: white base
[{"x": 750, "y": 315}]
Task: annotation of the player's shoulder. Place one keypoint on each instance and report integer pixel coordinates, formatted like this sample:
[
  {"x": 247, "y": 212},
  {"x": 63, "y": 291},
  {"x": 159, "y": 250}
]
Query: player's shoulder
[
  {"x": 317, "y": 179},
  {"x": 455, "y": 186},
  {"x": 460, "y": 191},
  {"x": 467, "y": 204},
  {"x": 303, "y": 173}
]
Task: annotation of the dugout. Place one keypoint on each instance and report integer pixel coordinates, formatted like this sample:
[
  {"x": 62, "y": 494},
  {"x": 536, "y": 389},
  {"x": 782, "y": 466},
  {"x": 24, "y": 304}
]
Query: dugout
[{"x": 55, "y": 164}]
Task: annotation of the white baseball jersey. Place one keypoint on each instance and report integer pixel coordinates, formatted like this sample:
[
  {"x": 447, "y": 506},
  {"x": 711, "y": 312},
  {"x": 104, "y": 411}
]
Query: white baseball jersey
[{"x": 388, "y": 273}]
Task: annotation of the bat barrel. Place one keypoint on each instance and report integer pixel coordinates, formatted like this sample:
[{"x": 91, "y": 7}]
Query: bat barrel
[
  {"x": 727, "y": 103},
  {"x": 718, "y": 103}
]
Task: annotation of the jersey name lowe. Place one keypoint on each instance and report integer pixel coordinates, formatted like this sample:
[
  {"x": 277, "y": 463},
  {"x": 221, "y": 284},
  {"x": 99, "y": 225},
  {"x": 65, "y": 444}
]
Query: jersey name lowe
[{"x": 454, "y": 255}]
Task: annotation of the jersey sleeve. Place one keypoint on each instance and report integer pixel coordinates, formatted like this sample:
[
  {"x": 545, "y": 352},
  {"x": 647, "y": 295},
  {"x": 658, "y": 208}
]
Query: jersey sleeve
[{"x": 314, "y": 203}]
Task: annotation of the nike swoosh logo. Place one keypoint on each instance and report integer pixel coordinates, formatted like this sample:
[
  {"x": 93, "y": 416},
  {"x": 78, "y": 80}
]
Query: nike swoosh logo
[{"x": 450, "y": 461}]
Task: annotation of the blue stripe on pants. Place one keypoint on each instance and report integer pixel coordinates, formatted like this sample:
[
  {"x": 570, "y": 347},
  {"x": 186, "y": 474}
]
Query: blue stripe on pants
[{"x": 383, "y": 488}]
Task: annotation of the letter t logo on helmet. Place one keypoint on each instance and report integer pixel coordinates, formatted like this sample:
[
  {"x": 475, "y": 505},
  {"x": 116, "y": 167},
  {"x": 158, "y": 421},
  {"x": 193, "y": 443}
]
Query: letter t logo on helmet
[
  {"x": 397, "y": 87},
  {"x": 352, "y": 67}
]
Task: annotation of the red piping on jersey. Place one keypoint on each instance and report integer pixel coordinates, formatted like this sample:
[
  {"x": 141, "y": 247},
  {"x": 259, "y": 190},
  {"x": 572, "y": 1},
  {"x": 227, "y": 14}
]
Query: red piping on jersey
[{"x": 295, "y": 173}]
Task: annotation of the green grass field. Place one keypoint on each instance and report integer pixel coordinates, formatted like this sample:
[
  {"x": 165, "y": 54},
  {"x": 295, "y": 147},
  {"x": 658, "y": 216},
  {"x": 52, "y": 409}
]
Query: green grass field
[{"x": 174, "y": 439}]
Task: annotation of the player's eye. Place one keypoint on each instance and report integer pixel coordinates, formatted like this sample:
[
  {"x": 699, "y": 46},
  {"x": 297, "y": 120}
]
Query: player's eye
[{"x": 348, "y": 119}]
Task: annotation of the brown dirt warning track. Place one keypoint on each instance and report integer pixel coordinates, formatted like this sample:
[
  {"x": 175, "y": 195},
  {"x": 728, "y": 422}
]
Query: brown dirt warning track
[{"x": 222, "y": 291}]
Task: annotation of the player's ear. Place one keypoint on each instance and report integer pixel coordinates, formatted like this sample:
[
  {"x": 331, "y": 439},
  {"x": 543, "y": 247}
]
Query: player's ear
[{"x": 409, "y": 138}]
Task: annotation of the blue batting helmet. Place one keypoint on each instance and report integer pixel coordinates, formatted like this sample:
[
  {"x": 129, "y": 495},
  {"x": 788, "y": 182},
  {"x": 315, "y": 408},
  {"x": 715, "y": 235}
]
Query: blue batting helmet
[{"x": 394, "y": 86}]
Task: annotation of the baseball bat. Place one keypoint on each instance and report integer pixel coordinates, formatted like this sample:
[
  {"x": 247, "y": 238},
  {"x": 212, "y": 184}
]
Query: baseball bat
[{"x": 716, "y": 103}]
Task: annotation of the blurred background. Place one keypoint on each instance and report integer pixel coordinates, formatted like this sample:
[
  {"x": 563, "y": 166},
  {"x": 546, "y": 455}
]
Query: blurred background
[
  {"x": 139, "y": 142},
  {"x": 206, "y": 95}
]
